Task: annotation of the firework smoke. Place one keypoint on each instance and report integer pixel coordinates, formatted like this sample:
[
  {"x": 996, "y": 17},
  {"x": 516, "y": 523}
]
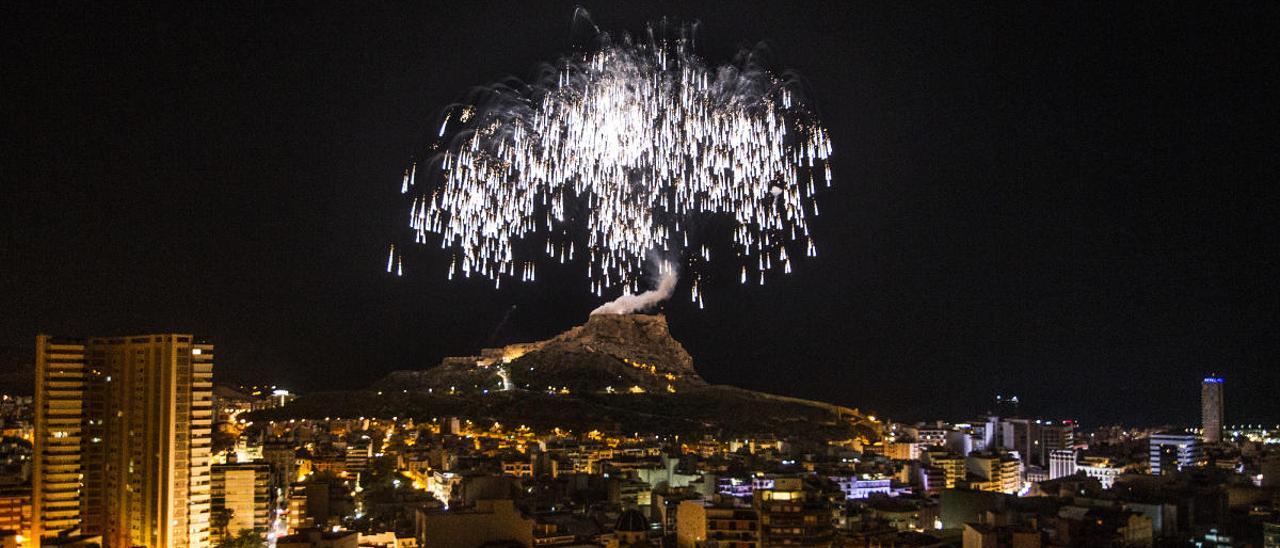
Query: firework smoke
[
  {"x": 630, "y": 303},
  {"x": 620, "y": 153}
]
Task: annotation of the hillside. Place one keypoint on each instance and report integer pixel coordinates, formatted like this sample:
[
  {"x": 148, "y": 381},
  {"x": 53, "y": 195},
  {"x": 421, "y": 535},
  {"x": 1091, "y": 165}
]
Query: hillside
[{"x": 620, "y": 373}]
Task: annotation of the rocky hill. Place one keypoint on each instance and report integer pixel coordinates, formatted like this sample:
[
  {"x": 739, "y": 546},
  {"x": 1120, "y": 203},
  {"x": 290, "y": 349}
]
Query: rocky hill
[
  {"x": 611, "y": 352},
  {"x": 613, "y": 373}
]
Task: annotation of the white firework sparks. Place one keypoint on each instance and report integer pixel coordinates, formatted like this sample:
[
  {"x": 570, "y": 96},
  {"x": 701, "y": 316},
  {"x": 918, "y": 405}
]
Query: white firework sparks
[{"x": 617, "y": 156}]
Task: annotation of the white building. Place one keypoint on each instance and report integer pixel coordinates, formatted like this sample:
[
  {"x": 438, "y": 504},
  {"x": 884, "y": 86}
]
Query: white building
[
  {"x": 863, "y": 485},
  {"x": 1062, "y": 463},
  {"x": 1101, "y": 469},
  {"x": 1173, "y": 452}
]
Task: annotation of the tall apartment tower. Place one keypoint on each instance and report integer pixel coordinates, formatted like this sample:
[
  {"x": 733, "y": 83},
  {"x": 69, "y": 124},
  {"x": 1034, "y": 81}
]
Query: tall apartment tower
[
  {"x": 57, "y": 453},
  {"x": 1211, "y": 408},
  {"x": 135, "y": 467}
]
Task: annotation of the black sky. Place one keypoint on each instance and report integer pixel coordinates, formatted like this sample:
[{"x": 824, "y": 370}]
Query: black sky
[{"x": 1075, "y": 203}]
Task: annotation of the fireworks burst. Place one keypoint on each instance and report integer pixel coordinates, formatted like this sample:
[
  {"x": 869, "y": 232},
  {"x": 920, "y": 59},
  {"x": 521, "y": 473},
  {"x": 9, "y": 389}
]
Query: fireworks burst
[{"x": 616, "y": 156}]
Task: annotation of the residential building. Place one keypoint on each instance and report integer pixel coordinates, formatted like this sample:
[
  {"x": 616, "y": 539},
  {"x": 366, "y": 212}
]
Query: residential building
[
  {"x": 240, "y": 499},
  {"x": 15, "y": 513},
  {"x": 61, "y": 374},
  {"x": 981, "y": 535},
  {"x": 358, "y": 455},
  {"x": 122, "y": 439},
  {"x": 862, "y": 486},
  {"x": 994, "y": 471},
  {"x": 793, "y": 513},
  {"x": 701, "y": 525},
  {"x": 951, "y": 464}
]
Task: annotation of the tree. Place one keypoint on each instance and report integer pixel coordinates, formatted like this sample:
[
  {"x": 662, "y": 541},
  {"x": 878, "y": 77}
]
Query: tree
[
  {"x": 246, "y": 538},
  {"x": 219, "y": 519}
]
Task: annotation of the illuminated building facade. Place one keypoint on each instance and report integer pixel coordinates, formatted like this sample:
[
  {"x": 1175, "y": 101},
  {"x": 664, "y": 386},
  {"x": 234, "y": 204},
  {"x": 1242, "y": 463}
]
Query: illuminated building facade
[
  {"x": 1211, "y": 408},
  {"x": 701, "y": 524},
  {"x": 1034, "y": 440},
  {"x": 240, "y": 499},
  {"x": 1102, "y": 469},
  {"x": 15, "y": 514},
  {"x": 1062, "y": 463},
  {"x": 863, "y": 486},
  {"x": 994, "y": 471},
  {"x": 61, "y": 374},
  {"x": 951, "y": 466},
  {"x": 1172, "y": 452},
  {"x": 123, "y": 429},
  {"x": 793, "y": 513}
]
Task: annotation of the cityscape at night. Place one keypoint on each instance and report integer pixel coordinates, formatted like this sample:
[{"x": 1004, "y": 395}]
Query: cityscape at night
[{"x": 733, "y": 274}]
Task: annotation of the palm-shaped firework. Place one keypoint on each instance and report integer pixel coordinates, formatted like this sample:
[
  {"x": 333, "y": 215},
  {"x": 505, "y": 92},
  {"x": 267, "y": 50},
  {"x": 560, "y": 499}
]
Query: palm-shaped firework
[{"x": 613, "y": 157}]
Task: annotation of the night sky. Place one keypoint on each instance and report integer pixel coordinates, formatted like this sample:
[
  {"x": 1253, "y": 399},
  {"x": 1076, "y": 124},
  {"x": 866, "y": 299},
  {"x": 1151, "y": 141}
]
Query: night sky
[{"x": 1075, "y": 203}]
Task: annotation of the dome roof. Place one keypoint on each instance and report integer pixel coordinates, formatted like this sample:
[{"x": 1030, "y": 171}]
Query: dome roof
[{"x": 632, "y": 521}]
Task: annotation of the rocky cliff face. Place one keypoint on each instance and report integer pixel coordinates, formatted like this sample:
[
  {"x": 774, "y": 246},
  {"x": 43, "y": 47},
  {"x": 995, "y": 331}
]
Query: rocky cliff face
[{"x": 611, "y": 352}]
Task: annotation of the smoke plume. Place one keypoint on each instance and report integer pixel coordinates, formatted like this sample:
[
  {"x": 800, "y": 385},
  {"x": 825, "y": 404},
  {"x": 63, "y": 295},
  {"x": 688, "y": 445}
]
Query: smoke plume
[{"x": 630, "y": 303}]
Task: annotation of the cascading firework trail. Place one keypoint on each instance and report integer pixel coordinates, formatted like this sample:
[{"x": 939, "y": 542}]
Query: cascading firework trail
[{"x": 615, "y": 156}]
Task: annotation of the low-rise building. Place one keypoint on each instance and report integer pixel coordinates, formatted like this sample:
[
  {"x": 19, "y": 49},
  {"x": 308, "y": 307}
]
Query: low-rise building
[
  {"x": 486, "y": 521},
  {"x": 15, "y": 514},
  {"x": 318, "y": 538},
  {"x": 699, "y": 524}
]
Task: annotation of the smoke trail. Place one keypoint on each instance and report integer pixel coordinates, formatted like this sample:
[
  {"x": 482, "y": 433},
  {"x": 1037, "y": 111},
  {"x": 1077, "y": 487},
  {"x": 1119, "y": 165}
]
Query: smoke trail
[{"x": 630, "y": 303}]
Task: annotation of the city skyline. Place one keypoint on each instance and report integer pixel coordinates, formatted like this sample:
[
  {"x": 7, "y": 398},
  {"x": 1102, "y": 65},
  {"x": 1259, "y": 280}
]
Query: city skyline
[
  {"x": 1036, "y": 201},
  {"x": 651, "y": 274}
]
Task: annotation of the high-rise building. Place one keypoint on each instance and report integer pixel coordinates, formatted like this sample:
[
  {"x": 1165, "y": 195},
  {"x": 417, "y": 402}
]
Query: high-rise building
[
  {"x": 1034, "y": 440},
  {"x": 1211, "y": 408},
  {"x": 123, "y": 439},
  {"x": 61, "y": 374},
  {"x": 1172, "y": 452},
  {"x": 240, "y": 499},
  {"x": 1054, "y": 436},
  {"x": 1018, "y": 435}
]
